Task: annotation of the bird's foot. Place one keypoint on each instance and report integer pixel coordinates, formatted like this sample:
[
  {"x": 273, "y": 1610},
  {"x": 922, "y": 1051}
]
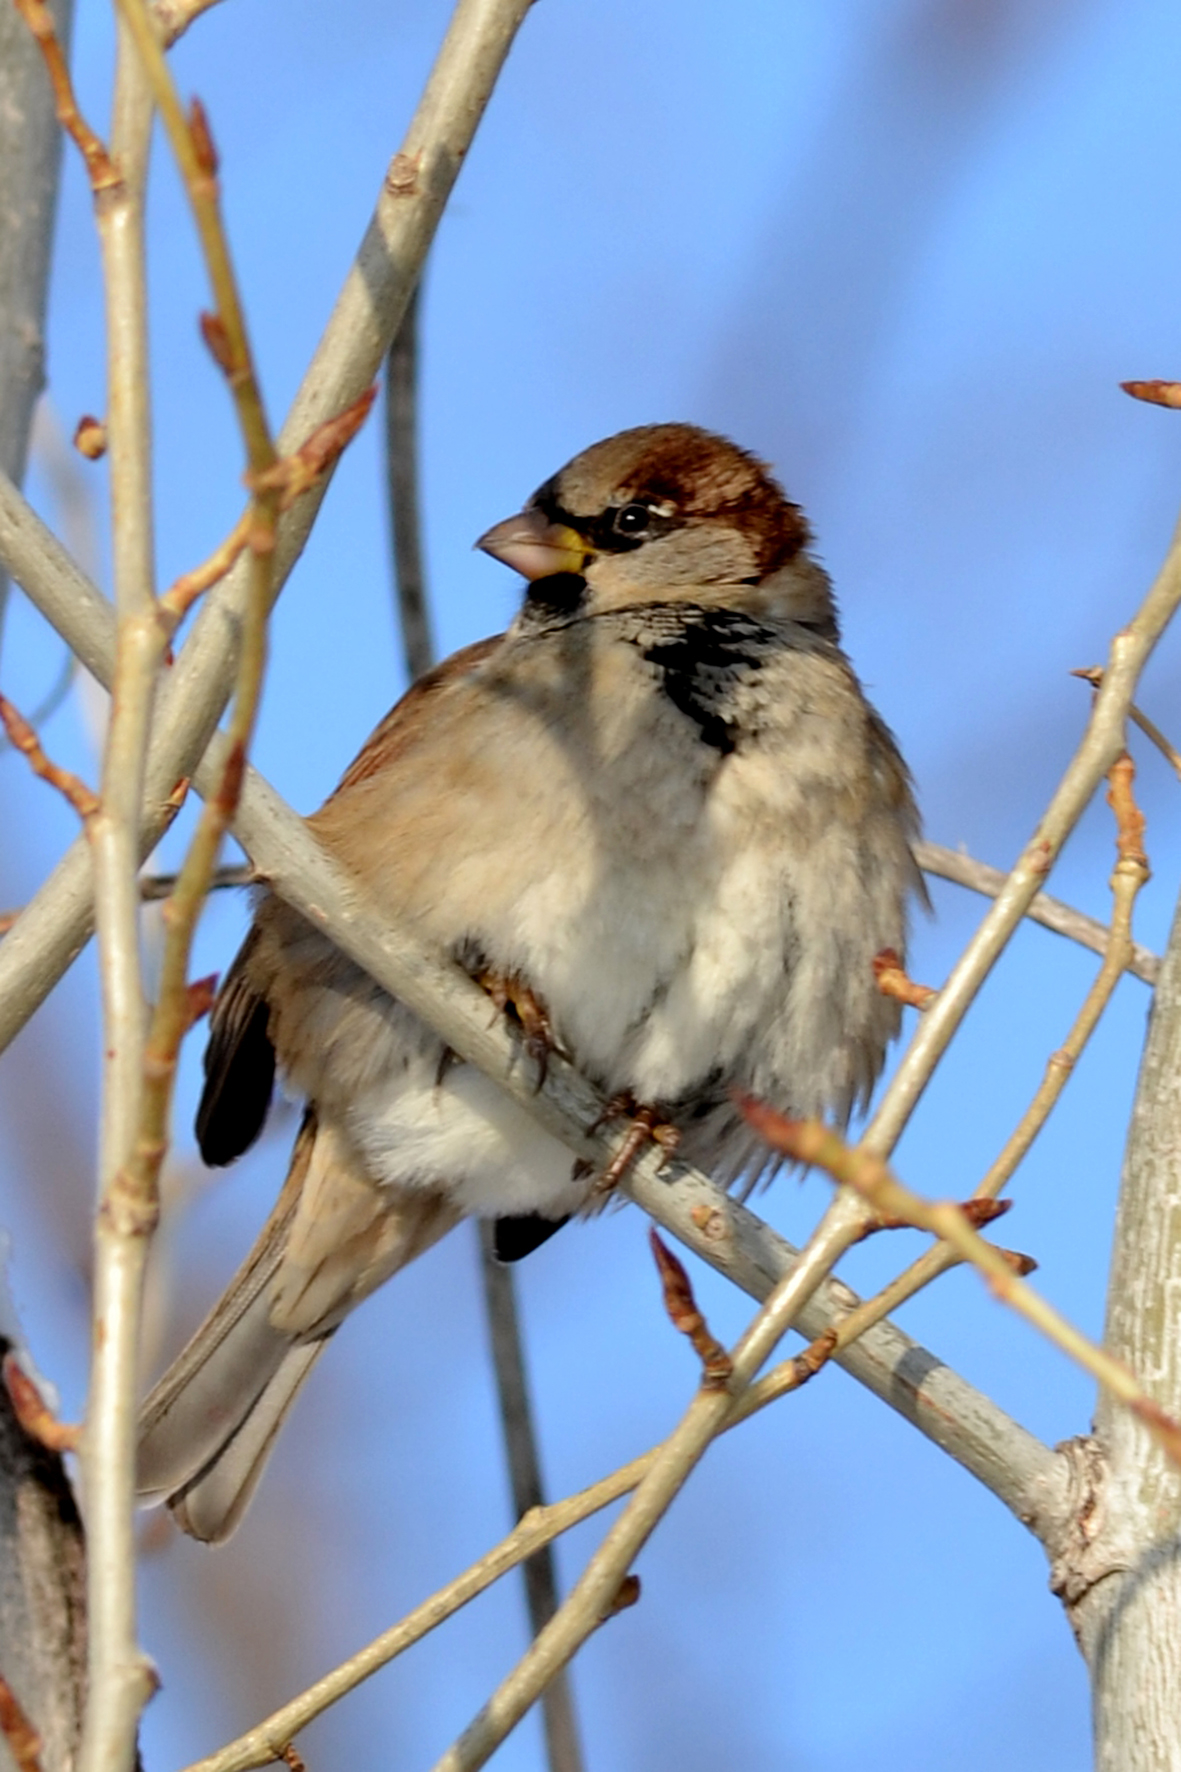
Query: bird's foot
[
  {"x": 648, "y": 1125},
  {"x": 511, "y": 994}
]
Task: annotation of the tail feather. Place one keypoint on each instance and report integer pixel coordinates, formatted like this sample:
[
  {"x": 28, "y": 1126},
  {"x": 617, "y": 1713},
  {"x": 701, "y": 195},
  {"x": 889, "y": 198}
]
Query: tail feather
[
  {"x": 208, "y": 1426},
  {"x": 214, "y": 1383},
  {"x": 211, "y": 1505}
]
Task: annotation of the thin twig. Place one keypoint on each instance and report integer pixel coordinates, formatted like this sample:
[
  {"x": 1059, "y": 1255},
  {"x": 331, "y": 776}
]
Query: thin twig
[
  {"x": 156, "y": 886},
  {"x": 536, "y": 1530},
  {"x": 174, "y": 17},
  {"x": 1170, "y": 753},
  {"x": 289, "y": 477},
  {"x": 33, "y": 1413},
  {"x": 1129, "y": 875},
  {"x": 153, "y": 887},
  {"x": 23, "y": 738},
  {"x": 100, "y": 167},
  {"x": 23, "y": 1741},
  {"x": 193, "y": 147},
  {"x": 196, "y": 157},
  {"x": 1101, "y": 744},
  {"x": 808, "y": 1141},
  {"x": 180, "y": 596},
  {"x": 58, "y": 920},
  {"x": 1051, "y": 913},
  {"x": 593, "y": 1596},
  {"x": 401, "y": 420},
  {"x": 686, "y": 1318},
  {"x": 893, "y": 981},
  {"x": 563, "y": 1748},
  {"x": 1157, "y": 393}
]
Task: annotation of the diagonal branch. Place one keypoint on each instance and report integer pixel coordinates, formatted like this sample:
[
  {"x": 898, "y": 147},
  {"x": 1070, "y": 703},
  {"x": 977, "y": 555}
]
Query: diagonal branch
[
  {"x": 809, "y": 1141},
  {"x": 563, "y": 1747},
  {"x": 269, "y": 1740},
  {"x": 30, "y": 156},
  {"x": 1101, "y": 744},
  {"x": 1051, "y": 913},
  {"x": 59, "y": 920},
  {"x": 1012, "y": 1463},
  {"x": 594, "y": 1596},
  {"x": 731, "y": 1238}
]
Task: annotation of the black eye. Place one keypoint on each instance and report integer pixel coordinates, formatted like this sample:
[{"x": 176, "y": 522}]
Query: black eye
[{"x": 632, "y": 519}]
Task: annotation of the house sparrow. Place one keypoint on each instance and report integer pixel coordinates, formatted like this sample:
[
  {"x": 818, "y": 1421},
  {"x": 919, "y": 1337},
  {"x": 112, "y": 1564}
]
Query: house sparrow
[{"x": 658, "y": 815}]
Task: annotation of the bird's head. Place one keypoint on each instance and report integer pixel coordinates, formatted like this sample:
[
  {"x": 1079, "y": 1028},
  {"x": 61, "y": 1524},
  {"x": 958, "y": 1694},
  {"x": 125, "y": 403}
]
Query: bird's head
[{"x": 665, "y": 513}]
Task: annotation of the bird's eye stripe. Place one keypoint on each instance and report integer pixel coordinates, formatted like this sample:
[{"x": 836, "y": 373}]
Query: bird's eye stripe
[
  {"x": 546, "y": 501},
  {"x": 601, "y": 532}
]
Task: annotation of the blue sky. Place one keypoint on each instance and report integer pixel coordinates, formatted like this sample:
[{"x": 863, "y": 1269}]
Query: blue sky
[{"x": 906, "y": 251}]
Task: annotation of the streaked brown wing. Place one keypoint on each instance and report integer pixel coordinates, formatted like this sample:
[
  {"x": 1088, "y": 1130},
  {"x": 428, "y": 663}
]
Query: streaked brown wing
[{"x": 396, "y": 731}]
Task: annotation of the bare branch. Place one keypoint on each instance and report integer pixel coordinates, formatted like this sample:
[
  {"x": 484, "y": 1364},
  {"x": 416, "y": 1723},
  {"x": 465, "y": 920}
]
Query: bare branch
[
  {"x": 120, "y": 1678},
  {"x": 595, "y": 1594},
  {"x": 270, "y": 1739},
  {"x": 1130, "y": 874},
  {"x": 30, "y": 157},
  {"x": 58, "y": 921},
  {"x": 1101, "y": 744},
  {"x": 1094, "y": 676},
  {"x": 22, "y": 737},
  {"x": 401, "y": 420},
  {"x": 683, "y": 1314},
  {"x": 174, "y": 17},
  {"x": 541, "y": 1578},
  {"x": 1119, "y": 1578},
  {"x": 1051, "y": 913},
  {"x": 808, "y": 1141}
]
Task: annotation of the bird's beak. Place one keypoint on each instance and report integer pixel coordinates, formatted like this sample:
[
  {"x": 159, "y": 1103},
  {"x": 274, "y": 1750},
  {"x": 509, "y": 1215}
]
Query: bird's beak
[{"x": 534, "y": 547}]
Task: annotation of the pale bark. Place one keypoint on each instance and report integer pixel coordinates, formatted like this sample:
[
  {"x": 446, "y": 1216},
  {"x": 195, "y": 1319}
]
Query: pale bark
[
  {"x": 42, "y": 1555},
  {"x": 1120, "y": 1575},
  {"x": 30, "y": 157}
]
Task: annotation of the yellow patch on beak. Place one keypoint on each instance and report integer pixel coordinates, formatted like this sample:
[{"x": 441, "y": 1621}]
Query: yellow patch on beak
[{"x": 534, "y": 547}]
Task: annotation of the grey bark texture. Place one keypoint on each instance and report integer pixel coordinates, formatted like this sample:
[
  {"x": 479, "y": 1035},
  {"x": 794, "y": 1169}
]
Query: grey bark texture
[
  {"x": 30, "y": 159},
  {"x": 42, "y": 1593},
  {"x": 1121, "y": 1576},
  {"x": 42, "y": 1554}
]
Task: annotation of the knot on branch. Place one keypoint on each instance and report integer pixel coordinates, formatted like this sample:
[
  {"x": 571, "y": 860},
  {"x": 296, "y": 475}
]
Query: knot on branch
[
  {"x": 402, "y": 178},
  {"x": 1084, "y": 1541}
]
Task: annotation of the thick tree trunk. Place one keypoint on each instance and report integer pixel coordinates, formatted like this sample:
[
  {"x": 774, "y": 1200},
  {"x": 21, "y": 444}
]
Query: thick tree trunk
[{"x": 1126, "y": 1601}]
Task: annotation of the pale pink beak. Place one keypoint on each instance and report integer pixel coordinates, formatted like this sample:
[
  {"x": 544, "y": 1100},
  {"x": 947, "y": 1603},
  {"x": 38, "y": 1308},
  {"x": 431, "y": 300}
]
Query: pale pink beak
[{"x": 535, "y": 547}]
